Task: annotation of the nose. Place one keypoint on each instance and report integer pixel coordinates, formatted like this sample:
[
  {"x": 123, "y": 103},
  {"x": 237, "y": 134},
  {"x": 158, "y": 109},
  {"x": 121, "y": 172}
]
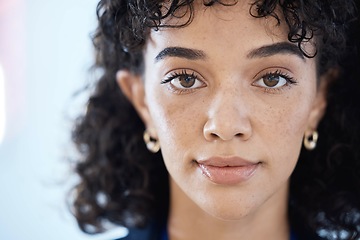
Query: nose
[{"x": 228, "y": 118}]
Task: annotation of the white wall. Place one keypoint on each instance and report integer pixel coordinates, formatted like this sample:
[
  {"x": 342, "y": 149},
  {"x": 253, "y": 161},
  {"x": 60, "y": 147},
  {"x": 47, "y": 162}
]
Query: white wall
[{"x": 45, "y": 52}]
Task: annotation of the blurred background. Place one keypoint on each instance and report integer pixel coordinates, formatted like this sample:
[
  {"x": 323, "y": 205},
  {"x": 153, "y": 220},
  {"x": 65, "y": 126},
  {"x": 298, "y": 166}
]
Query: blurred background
[{"x": 45, "y": 55}]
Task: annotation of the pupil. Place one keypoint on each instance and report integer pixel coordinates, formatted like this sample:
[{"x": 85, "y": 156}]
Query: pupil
[
  {"x": 187, "y": 81},
  {"x": 271, "y": 80}
]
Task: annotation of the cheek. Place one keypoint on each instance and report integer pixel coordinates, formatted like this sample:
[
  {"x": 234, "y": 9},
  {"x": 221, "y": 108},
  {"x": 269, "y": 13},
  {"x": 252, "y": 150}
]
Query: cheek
[
  {"x": 177, "y": 125},
  {"x": 290, "y": 121},
  {"x": 284, "y": 129},
  {"x": 296, "y": 117}
]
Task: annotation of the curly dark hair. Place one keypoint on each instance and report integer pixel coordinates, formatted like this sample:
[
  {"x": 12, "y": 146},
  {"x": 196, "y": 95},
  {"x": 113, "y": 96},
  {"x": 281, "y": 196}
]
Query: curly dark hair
[{"x": 122, "y": 182}]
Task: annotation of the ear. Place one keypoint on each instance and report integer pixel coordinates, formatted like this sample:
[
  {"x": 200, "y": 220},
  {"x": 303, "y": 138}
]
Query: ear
[
  {"x": 133, "y": 88},
  {"x": 320, "y": 103}
]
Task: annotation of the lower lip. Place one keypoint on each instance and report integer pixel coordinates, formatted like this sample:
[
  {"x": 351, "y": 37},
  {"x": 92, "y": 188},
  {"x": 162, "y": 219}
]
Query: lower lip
[{"x": 228, "y": 175}]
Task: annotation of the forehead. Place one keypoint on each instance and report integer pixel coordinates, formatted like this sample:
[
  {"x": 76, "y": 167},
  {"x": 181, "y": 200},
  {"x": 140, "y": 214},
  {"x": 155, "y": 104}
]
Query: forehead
[{"x": 218, "y": 27}]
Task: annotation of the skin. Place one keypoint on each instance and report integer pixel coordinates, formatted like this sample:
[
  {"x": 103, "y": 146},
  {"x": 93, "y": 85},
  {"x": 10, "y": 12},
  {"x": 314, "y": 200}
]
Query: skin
[{"x": 227, "y": 112}]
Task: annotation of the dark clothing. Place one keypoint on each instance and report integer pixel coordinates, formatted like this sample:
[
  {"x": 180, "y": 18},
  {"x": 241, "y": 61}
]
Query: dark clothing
[
  {"x": 151, "y": 232},
  {"x": 156, "y": 232}
]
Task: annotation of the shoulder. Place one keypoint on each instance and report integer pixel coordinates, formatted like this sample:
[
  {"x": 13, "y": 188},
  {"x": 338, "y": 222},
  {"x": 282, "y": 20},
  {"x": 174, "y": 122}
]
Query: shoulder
[{"x": 150, "y": 232}]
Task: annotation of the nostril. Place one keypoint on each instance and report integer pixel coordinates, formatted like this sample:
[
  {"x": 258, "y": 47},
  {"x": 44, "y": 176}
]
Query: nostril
[{"x": 214, "y": 135}]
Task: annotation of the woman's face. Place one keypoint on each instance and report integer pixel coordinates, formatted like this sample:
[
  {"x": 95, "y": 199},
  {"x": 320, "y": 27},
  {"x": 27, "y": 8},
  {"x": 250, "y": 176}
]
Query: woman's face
[{"x": 229, "y": 99}]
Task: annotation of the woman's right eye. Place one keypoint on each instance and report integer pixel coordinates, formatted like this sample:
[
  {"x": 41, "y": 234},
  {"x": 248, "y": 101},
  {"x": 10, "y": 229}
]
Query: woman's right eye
[{"x": 183, "y": 81}]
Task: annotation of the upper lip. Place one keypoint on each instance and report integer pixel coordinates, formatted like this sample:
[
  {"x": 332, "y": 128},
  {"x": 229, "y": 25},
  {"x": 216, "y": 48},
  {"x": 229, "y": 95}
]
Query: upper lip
[{"x": 232, "y": 161}]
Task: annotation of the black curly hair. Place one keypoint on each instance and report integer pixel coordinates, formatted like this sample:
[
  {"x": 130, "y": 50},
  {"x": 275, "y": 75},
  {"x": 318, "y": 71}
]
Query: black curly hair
[{"x": 121, "y": 182}]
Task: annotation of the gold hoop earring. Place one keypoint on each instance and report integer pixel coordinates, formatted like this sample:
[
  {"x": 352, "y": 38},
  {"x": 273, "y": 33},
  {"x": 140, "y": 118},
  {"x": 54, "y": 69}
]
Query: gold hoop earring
[
  {"x": 152, "y": 144},
  {"x": 310, "y": 140}
]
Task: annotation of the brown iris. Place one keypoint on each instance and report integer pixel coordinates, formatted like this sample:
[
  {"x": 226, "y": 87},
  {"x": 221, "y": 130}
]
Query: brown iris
[
  {"x": 271, "y": 80},
  {"x": 186, "y": 81}
]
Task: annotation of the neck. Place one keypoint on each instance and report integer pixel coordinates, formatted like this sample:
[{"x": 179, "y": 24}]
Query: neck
[{"x": 188, "y": 221}]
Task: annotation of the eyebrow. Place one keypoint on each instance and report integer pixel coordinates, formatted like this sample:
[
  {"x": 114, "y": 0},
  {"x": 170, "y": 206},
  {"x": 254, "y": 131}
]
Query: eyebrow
[
  {"x": 276, "y": 48},
  {"x": 188, "y": 53},
  {"x": 261, "y": 52}
]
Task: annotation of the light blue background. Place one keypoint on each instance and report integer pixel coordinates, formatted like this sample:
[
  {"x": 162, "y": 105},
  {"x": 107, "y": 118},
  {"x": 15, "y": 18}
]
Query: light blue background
[{"x": 34, "y": 173}]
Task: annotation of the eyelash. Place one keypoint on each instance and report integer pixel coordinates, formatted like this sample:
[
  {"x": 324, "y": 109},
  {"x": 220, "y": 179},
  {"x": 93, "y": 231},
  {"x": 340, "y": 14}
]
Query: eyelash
[
  {"x": 289, "y": 81},
  {"x": 174, "y": 75},
  {"x": 272, "y": 90}
]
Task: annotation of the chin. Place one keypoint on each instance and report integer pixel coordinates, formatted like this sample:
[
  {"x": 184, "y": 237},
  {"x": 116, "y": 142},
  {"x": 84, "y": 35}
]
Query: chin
[{"x": 231, "y": 212}]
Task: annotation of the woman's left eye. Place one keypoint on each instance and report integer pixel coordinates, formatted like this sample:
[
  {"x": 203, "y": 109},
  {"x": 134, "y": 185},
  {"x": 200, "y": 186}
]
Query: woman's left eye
[
  {"x": 274, "y": 80},
  {"x": 183, "y": 81}
]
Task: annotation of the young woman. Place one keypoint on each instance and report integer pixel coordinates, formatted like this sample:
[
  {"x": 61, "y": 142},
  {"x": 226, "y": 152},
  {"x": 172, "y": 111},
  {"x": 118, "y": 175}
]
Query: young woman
[{"x": 223, "y": 120}]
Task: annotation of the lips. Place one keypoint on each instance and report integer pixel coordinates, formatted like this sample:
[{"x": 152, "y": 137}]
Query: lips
[{"x": 227, "y": 171}]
